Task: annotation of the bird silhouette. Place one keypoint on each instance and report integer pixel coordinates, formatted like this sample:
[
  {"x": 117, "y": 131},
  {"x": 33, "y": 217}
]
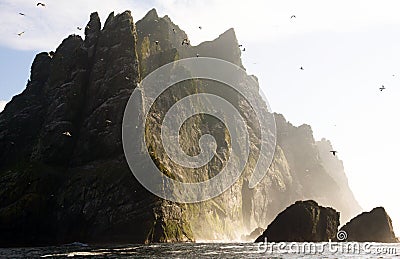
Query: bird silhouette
[
  {"x": 79, "y": 28},
  {"x": 333, "y": 152},
  {"x": 301, "y": 68},
  {"x": 293, "y": 16},
  {"x": 20, "y": 34},
  {"x": 21, "y": 14},
  {"x": 244, "y": 49},
  {"x": 67, "y": 134},
  {"x": 40, "y": 4},
  {"x": 240, "y": 45},
  {"x": 156, "y": 42},
  {"x": 200, "y": 27},
  {"x": 382, "y": 88}
]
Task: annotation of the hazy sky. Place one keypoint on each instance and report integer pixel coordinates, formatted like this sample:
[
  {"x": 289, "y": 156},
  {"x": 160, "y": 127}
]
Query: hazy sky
[{"x": 348, "y": 50}]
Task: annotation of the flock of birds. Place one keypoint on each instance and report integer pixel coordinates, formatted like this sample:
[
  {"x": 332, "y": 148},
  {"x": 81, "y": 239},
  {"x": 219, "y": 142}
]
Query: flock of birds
[{"x": 186, "y": 42}]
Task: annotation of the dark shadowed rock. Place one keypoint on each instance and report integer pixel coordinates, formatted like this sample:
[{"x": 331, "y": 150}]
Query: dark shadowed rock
[
  {"x": 304, "y": 221},
  {"x": 60, "y": 188},
  {"x": 373, "y": 226}
]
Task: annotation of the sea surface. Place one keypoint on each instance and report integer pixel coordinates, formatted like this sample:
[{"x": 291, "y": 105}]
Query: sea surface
[{"x": 211, "y": 250}]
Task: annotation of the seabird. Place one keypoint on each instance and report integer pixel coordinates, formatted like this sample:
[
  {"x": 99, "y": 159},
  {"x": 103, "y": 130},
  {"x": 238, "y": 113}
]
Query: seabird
[
  {"x": 197, "y": 55},
  {"x": 293, "y": 16},
  {"x": 79, "y": 28},
  {"x": 127, "y": 78},
  {"x": 173, "y": 30},
  {"x": 67, "y": 134},
  {"x": 301, "y": 68},
  {"x": 240, "y": 45},
  {"x": 333, "y": 152},
  {"x": 156, "y": 42},
  {"x": 20, "y": 34},
  {"x": 244, "y": 49},
  {"x": 382, "y": 88},
  {"x": 22, "y": 14},
  {"x": 200, "y": 27},
  {"x": 108, "y": 121},
  {"x": 185, "y": 41},
  {"x": 40, "y": 4}
]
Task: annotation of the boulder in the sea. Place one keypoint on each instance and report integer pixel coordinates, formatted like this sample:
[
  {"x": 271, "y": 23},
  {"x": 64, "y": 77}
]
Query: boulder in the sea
[
  {"x": 373, "y": 226},
  {"x": 304, "y": 221}
]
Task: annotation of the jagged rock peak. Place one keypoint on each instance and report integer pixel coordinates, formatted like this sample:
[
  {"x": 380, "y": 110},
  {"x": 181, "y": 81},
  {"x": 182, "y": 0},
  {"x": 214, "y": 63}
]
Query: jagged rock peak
[
  {"x": 94, "y": 24},
  {"x": 40, "y": 67},
  {"x": 152, "y": 14},
  {"x": 119, "y": 20}
]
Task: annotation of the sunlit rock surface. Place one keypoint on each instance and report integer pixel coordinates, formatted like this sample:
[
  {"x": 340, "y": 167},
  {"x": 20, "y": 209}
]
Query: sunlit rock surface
[{"x": 63, "y": 174}]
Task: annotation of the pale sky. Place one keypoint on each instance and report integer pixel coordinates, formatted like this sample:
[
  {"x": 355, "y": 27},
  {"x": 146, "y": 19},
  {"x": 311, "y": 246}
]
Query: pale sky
[{"x": 348, "y": 50}]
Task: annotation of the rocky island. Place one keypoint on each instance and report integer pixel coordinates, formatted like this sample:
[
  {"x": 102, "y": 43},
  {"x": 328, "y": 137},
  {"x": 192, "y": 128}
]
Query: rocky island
[{"x": 63, "y": 174}]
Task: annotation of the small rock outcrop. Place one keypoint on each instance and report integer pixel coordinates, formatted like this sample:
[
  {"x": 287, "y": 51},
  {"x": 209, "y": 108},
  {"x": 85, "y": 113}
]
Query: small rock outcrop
[
  {"x": 304, "y": 221},
  {"x": 373, "y": 226}
]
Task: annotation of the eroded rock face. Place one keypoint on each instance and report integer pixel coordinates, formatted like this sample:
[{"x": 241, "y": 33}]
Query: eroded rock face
[
  {"x": 304, "y": 221},
  {"x": 373, "y": 226},
  {"x": 59, "y": 188}
]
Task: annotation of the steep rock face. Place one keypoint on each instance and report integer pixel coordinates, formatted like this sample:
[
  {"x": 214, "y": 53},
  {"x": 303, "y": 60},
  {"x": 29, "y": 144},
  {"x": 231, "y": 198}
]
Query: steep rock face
[
  {"x": 334, "y": 167},
  {"x": 373, "y": 226},
  {"x": 304, "y": 221},
  {"x": 62, "y": 169},
  {"x": 58, "y": 188}
]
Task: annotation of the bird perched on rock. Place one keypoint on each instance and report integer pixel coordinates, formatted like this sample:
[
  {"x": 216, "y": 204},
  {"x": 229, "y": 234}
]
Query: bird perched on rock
[
  {"x": 185, "y": 41},
  {"x": 67, "y": 134},
  {"x": 156, "y": 42}
]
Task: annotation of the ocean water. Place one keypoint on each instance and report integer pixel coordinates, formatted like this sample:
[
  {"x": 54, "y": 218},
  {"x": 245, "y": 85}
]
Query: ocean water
[{"x": 212, "y": 250}]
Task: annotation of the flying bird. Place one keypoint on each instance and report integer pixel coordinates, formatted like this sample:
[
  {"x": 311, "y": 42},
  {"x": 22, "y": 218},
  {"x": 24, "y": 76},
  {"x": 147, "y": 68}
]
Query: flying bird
[
  {"x": 40, "y": 4},
  {"x": 200, "y": 27},
  {"x": 20, "y": 34},
  {"x": 79, "y": 28},
  {"x": 67, "y": 134},
  {"x": 240, "y": 45},
  {"x": 333, "y": 152},
  {"x": 293, "y": 16},
  {"x": 382, "y": 88},
  {"x": 301, "y": 68},
  {"x": 21, "y": 14},
  {"x": 244, "y": 49}
]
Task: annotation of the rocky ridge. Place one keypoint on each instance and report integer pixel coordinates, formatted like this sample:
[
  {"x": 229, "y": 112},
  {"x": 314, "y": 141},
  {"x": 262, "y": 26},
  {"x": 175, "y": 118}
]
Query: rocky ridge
[{"x": 63, "y": 175}]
